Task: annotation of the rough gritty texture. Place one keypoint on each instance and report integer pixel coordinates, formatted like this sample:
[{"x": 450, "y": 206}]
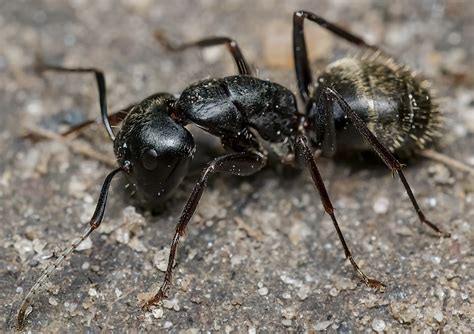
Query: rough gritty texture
[{"x": 260, "y": 254}]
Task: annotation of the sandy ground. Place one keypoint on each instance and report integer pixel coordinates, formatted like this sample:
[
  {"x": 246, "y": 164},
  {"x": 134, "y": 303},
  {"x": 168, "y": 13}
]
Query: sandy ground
[{"x": 260, "y": 255}]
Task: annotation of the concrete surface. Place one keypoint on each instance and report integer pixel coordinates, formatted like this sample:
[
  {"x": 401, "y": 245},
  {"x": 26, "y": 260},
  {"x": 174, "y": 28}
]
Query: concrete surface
[{"x": 260, "y": 255}]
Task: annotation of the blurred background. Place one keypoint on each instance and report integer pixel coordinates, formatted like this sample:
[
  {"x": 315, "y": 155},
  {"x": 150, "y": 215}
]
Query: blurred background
[{"x": 260, "y": 254}]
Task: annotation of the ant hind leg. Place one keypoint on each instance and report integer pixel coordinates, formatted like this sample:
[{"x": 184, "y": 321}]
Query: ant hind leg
[
  {"x": 300, "y": 54},
  {"x": 387, "y": 157},
  {"x": 305, "y": 152}
]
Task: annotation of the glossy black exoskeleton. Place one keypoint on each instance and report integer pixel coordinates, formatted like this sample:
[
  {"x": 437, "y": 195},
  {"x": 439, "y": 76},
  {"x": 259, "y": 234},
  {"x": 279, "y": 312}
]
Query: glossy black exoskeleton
[
  {"x": 355, "y": 103},
  {"x": 158, "y": 148}
]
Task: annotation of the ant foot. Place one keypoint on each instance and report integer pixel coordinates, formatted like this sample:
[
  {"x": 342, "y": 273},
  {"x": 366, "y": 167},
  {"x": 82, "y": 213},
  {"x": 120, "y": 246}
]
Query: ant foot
[
  {"x": 149, "y": 303},
  {"x": 153, "y": 301},
  {"x": 375, "y": 284},
  {"x": 440, "y": 233},
  {"x": 444, "y": 234}
]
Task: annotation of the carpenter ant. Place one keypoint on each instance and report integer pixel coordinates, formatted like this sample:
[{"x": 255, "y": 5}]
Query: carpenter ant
[{"x": 355, "y": 103}]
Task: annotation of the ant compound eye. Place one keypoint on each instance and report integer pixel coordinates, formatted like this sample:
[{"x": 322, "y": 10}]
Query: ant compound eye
[{"x": 149, "y": 159}]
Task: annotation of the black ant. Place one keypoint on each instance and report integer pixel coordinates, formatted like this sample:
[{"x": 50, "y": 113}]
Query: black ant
[{"x": 354, "y": 102}]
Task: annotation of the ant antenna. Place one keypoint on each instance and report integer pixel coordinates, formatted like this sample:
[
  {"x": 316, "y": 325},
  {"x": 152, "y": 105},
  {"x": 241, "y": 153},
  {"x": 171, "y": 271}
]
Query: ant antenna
[
  {"x": 94, "y": 223},
  {"x": 40, "y": 66}
]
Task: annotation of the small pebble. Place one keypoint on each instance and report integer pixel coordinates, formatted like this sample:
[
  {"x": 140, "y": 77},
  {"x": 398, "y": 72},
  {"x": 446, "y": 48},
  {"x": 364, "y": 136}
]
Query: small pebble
[
  {"x": 168, "y": 324},
  {"x": 289, "y": 313},
  {"x": 53, "y": 301},
  {"x": 378, "y": 325},
  {"x": 263, "y": 291},
  {"x": 157, "y": 313},
  {"x": 93, "y": 292},
  {"x": 381, "y": 205},
  {"x": 160, "y": 260},
  {"x": 303, "y": 292},
  {"x": 333, "y": 292},
  {"x": 35, "y": 107},
  {"x": 286, "y": 322},
  {"x": 171, "y": 304},
  {"x": 320, "y": 326},
  {"x": 438, "y": 315}
]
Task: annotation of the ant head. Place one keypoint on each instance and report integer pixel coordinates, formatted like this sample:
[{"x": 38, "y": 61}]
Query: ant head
[{"x": 155, "y": 149}]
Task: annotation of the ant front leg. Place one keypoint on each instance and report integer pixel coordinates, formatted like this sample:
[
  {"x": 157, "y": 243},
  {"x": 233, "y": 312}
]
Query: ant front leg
[
  {"x": 114, "y": 119},
  {"x": 300, "y": 54},
  {"x": 241, "y": 164},
  {"x": 387, "y": 157},
  {"x": 101, "y": 86},
  {"x": 232, "y": 46},
  {"x": 304, "y": 150}
]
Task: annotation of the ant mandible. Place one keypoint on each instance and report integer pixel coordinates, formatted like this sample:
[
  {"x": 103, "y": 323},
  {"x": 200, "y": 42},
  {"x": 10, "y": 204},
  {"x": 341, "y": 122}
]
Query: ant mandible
[{"x": 355, "y": 101}]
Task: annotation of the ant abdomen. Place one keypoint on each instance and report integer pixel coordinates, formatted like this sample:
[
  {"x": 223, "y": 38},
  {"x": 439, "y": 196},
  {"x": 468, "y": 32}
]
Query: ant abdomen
[{"x": 396, "y": 106}]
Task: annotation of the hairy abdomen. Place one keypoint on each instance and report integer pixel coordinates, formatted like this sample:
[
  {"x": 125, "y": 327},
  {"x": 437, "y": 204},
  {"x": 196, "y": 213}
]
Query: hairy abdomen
[{"x": 397, "y": 106}]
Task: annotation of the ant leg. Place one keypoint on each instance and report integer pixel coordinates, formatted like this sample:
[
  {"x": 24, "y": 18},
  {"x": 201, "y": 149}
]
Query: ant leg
[
  {"x": 305, "y": 151},
  {"x": 242, "y": 65},
  {"x": 100, "y": 78},
  {"x": 240, "y": 164},
  {"x": 300, "y": 54},
  {"x": 76, "y": 146},
  {"x": 94, "y": 223},
  {"x": 387, "y": 157},
  {"x": 114, "y": 119}
]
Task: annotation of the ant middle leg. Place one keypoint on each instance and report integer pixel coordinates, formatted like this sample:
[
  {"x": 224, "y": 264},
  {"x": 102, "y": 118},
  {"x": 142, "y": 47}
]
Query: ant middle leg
[
  {"x": 300, "y": 54},
  {"x": 241, "y": 164},
  {"x": 387, "y": 157},
  {"x": 307, "y": 155},
  {"x": 232, "y": 46}
]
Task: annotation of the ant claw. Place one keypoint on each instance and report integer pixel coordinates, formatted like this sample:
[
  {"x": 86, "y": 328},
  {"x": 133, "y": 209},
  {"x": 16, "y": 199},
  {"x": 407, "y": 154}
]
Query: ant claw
[
  {"x": 153, "y": 301},
  {"x": 375, "y": 284},
  {"x": 440, "y": 233},
  {"x": 148, "y": 304},
  {"x": 444, "y": 234}
]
